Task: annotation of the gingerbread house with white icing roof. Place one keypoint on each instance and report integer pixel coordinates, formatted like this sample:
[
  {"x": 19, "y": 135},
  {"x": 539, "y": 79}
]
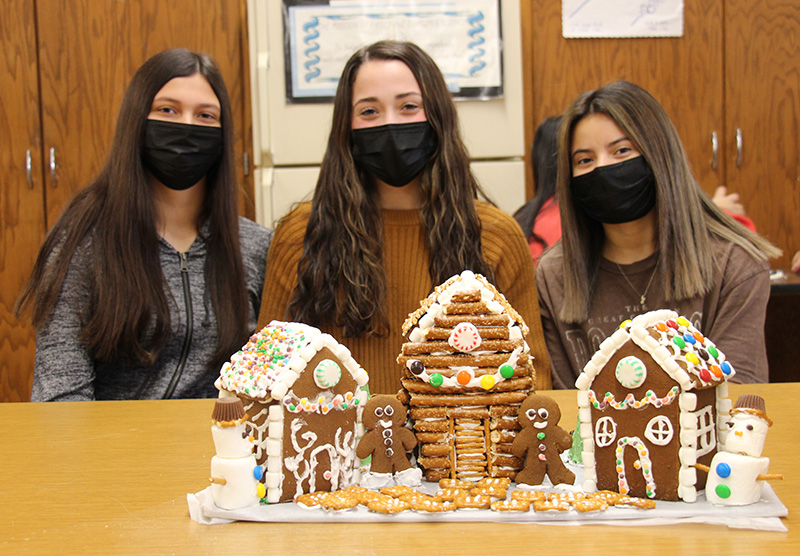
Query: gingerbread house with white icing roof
[
  {"x": 466, "y": 370},
  {"x": 303, "y": 393},
  {"x": 652, "y": 401}
]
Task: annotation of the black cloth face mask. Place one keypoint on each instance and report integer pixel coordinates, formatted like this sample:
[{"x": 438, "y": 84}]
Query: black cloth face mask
[
  {"x": 179, "y": 155},
  {"x": 394, "y": 153},
  {"x": 616, "y": 193}
]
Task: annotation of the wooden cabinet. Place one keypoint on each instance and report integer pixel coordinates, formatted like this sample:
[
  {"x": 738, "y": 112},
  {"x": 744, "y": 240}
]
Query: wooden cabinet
[
  {"x": 737, "y": 67},
  {"x": 762, "y": 106},
  {"x": 65, "y": 69},
  {"x": 22, "y": 220}
]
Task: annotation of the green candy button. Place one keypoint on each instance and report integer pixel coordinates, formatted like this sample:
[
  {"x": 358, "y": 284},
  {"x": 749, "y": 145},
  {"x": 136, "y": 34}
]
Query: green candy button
[{"x": 723, "y": 491}]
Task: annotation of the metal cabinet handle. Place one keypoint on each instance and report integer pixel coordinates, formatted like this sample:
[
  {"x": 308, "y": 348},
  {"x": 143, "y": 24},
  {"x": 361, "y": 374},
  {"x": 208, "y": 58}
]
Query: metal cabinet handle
[
  {"x": 739, "y": 147},
  {"x": 53, "y": 164},
  {"x": 28, "y": 170},
  {"x": 714, "y": 149}
]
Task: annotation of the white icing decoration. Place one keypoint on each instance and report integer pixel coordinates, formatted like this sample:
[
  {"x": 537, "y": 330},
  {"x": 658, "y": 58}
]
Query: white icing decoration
[
  {"x": 605, "y": 431},
  {"x": 327, "y": 374},
  {"x": 631, "y": 372},
  {"x": 659, "y": 430},
  {"x": 644, "y": 461}
]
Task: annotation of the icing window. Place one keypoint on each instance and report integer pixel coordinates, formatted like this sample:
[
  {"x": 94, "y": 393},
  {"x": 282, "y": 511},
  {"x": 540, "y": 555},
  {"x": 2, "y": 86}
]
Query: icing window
[
  {"x": 659, "y": 430},
  {"x": 631, "y": 372},
  {"x": 605, "y": 431},
  {"x": 706, "y": 437}
]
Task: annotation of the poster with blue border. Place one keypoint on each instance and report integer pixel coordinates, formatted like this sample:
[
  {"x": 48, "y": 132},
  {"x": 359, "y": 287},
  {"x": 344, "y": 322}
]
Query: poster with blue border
[{"x": 462, "y": 36}]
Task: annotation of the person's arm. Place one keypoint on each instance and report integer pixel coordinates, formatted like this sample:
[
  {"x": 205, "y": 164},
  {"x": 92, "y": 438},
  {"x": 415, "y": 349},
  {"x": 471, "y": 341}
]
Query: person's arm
[
  {"x": 559, "y": 358},
  {"x": 281, "y": 271},
  {"x": 63, "y": 370},
  {"x": 738, "y": 319},
  {"x": 505, "y": 248},
  {"x": 255, "y": 243}
]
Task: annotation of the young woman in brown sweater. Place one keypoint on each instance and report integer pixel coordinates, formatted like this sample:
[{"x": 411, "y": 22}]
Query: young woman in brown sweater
[
  {"x": 639, "y": 234},
  {"x": 395, "y": 212}
]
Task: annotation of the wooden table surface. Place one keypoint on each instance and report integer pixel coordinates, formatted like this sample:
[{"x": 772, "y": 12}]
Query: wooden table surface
[{"x": 112, "y": 478}]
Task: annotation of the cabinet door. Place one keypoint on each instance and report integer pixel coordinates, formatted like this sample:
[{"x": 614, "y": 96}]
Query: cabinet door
[
  {"x": 21, "y": 208},
  {"x": 762, "y": 98},
  {"x": 88, "y": 51},
  {"x": 684, "y": 74}
]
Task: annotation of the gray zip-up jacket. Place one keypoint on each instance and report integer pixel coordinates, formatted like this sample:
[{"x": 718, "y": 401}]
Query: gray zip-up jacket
[{"x": 64, "y": 371}]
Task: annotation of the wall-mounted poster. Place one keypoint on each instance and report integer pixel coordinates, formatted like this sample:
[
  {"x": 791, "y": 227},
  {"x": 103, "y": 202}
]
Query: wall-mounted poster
[{"x": 463, "y": 37}]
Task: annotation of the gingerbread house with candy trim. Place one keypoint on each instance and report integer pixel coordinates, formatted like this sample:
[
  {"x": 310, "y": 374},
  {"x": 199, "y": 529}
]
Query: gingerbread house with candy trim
[
  {"x": 466, "y": 370},
  {"x": 651, "y": 404},
  {"x": 303, "y": 393}
]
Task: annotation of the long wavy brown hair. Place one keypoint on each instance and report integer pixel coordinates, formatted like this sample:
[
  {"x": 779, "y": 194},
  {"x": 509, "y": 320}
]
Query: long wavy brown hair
[
  {"x": 128, "y": 314},
  {"x": 687, "y": 218},
  {"x": 341, "y": 277}
]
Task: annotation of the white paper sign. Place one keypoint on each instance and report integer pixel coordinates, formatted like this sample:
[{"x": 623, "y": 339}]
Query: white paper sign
[{"x": 583, "y": 19}]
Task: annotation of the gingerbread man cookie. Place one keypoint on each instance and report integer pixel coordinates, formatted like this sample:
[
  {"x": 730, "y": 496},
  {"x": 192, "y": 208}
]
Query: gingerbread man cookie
[
  {"x": 388, "y": 441},
  {"x": 540, "y": 442}
]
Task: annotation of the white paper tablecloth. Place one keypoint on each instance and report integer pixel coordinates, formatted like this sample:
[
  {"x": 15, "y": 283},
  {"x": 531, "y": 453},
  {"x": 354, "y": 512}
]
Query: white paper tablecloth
[{"x": 764, "y": 515}]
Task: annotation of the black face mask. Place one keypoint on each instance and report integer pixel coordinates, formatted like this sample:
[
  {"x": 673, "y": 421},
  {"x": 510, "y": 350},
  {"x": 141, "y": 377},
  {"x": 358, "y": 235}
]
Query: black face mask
[
  {"x": 179, "y": 155},
  {"x": 616, "y": 193},
  {"x": 394, "y": 153}
]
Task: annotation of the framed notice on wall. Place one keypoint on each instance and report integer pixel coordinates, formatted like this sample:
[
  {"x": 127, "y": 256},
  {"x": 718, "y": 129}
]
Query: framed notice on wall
[{"x": 463, "y": 37}]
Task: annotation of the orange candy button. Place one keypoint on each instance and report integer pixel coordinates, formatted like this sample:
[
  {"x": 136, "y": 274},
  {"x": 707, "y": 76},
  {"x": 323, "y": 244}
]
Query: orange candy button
[{"x": 716, "y": 371}]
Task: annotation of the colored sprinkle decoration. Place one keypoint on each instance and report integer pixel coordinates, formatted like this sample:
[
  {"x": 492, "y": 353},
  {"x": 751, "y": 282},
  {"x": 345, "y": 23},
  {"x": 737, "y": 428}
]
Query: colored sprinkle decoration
[
  {"x": 258, "y": 365},
  {"x": 324, "y": 403},
  {"x": 631, "y": 402},
  {"x": 643, "y": 462}
]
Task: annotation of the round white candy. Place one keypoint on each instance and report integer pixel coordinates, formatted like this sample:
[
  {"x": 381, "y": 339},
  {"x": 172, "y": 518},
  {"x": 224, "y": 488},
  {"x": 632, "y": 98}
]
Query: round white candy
[
  {"x": 630, "y": 372},
  {"x": 327, "y": 373}
]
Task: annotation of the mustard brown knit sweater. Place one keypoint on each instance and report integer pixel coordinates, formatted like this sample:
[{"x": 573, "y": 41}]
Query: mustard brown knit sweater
[{"x": 406, "y": 260}]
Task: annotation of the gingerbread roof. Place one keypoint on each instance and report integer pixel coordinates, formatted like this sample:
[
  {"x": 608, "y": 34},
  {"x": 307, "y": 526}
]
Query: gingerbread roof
[
  {"x": 467, "y": 281},
  {"x": 465, "y": 337},
  {"x": 673, "y": 342},
  {"x": 273, "y": 359}
]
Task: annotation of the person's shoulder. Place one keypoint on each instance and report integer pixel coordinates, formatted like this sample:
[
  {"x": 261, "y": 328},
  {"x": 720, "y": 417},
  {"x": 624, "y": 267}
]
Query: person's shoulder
[
  {"x": 496, "y": 220},
  {"x": 551, "y": 261},
  {"x": 730, "y": 255},
  {"x": 249, "y": 228},
  {"x": 254, "y": 239},
  {"x": 295, "y": 221}
]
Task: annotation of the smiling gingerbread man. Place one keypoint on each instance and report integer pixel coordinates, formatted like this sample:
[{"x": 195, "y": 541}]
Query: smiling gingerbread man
[
  {"x": 388, "y": 441},
  {"x": 540, "y": 442}
]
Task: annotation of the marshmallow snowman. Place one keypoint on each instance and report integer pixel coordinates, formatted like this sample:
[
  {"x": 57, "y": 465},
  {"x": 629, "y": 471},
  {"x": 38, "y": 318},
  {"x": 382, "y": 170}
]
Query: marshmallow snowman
[
  {"x": 736, "y": 474},
  {"x": 234, "y": 473}
]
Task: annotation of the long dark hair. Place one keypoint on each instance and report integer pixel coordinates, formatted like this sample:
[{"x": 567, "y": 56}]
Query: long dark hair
[
  {"x": 686, "y": 216},
  {"x": 128, "y": 314},
  {"x": 544, "y": 156},
  {"x": 341, "y": 277}
]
